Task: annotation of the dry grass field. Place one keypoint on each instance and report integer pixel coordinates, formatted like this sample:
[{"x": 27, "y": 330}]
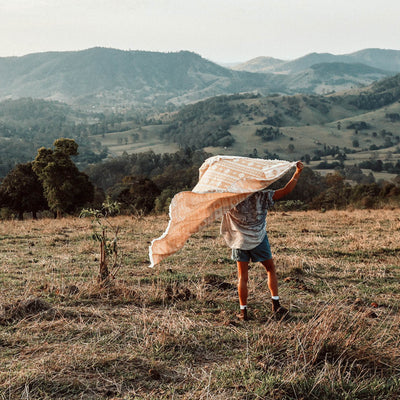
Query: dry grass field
[{"x": 171, "y": 332}]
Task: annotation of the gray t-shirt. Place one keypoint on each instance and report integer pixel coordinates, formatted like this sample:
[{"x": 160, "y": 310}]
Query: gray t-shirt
[{"x": 243, "y": 227}]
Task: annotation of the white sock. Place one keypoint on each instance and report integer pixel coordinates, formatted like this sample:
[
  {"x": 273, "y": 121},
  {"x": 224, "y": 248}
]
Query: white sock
[
  {"x": 243, "y": 307},
  {"x": 275, "y": 297}
]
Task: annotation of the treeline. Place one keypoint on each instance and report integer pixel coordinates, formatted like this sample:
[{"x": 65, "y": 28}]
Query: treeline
[
  {"x": 268, "y": 134},
  {"x": 379, "y": 166},
  {"x": 338, "y": 194},
  {"x": 373, "y": 165},
  {"x": 146, "y": 182},
  {"x": 147, "y": 164},
  {"x": 334, "y": 191},
  {"x": 141, "y": 183}
]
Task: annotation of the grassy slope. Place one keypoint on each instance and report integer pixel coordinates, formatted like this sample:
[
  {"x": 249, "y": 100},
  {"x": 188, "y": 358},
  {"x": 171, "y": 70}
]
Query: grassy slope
[
  {"x": 170, "y": 332},
  {"x": 307, "y": 133},
  {"x": 119, "y": 142},
  {"x": 313, "y": 129},
  {"x": 307, "y": 138}
]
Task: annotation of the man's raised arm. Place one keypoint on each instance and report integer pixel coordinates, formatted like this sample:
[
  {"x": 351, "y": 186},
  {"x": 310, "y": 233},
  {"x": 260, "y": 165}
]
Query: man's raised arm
[{"x": 291, "y": 184}]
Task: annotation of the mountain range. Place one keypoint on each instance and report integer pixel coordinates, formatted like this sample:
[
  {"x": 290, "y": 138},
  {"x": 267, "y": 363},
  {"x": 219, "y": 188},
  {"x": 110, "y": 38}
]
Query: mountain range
[
  {"x": 111, "y": 78},
  {"x": 107, "y": 77},
  {"x": 381, "y": 59}
]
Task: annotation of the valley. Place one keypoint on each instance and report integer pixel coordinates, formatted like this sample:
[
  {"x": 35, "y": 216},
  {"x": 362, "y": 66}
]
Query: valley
[{"x": 244, "y": 113}]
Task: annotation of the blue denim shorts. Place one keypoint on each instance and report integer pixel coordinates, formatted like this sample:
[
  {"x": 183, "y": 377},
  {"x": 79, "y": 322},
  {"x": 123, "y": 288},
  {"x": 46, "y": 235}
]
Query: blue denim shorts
[{"x": 260, "y": 253}]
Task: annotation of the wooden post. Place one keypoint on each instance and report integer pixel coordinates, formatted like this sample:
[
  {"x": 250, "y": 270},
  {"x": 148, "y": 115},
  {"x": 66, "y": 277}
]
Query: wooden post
[{"x": 104, "y": 273}]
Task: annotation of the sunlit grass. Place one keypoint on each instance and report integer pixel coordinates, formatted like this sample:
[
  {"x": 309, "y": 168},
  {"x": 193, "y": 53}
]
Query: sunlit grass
[{"x": 171, "y": 331}]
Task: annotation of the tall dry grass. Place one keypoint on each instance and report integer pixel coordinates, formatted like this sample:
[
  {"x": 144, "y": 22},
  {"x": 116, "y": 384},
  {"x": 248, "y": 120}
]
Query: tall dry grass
[{"x": 171, "y": 332}]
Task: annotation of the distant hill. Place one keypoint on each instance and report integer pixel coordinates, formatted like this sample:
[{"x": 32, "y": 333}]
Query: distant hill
[
  {"x": 387, "y": 60},
  {"x": 334, "y": 76},
  {"x": 259, "y": 64},
  {"x": 325, "y": 72},
  {"x": 109, "y": 77},
  {"x": 104, "y": 78}
]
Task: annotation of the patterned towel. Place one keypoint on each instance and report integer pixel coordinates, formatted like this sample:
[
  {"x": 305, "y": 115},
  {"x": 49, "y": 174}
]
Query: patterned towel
[{"x": 224, "y": 181}]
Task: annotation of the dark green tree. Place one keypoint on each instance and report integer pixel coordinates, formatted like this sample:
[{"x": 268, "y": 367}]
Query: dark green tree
[
  {"x": 306, "y": 158},
  {"x": 336, "y": 195},
  {"x": 21, "y": 191},
  {"x": 135, "y": 194},
  {"x": 65, "y": 187},
  {"x": 309, "y": 186}
]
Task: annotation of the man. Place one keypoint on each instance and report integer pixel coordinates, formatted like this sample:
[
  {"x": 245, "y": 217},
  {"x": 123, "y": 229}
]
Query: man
[{"x": 244, "y": 230}]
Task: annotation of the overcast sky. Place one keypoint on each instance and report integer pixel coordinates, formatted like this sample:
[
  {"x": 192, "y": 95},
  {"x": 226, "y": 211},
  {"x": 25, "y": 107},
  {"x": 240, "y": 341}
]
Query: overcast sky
[{"x": 219, "y": 30}]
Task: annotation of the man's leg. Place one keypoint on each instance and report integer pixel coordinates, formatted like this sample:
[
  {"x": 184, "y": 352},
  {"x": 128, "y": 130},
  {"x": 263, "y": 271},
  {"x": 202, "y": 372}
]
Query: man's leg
[
  {"x": 279, "y": 311},
  {"x": 243, "y": 277},
  {"x": 272, "y": 277}
]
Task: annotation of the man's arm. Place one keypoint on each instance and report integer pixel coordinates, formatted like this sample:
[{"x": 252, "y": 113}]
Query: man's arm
[{"x": 290, "y": 185}]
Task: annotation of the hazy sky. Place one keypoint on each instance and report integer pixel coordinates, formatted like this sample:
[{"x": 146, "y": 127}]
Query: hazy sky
[{"x": 219, "y": 30}]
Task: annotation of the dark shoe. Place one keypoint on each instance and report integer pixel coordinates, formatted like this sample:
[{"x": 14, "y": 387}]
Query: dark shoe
[
  {"x": 243, "y": 315},
  {"x": 280, "y": 312}
]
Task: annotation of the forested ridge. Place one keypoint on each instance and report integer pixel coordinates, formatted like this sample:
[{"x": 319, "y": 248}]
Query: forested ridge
[
  {"x": 27, "y": 124},
  {"x": 380, "y": 94},
  {"x": 203, "y": 124}
]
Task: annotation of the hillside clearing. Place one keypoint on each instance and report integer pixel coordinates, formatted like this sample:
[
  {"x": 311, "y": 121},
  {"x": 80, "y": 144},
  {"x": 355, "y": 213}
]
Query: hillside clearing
[
  {"x": 135, "y": 140},
  {"x": 308, "y": 124},
  {"x": 171, "y": 332}
]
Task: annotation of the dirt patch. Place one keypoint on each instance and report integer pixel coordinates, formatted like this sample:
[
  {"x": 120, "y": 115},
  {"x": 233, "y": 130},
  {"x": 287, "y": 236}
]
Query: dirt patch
[
  {"x": 213, "y": 281},
  {"x": 178, "y": 294},
  {"x": 22, "y": 309},
  {"x": 297, "y": 283}
]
